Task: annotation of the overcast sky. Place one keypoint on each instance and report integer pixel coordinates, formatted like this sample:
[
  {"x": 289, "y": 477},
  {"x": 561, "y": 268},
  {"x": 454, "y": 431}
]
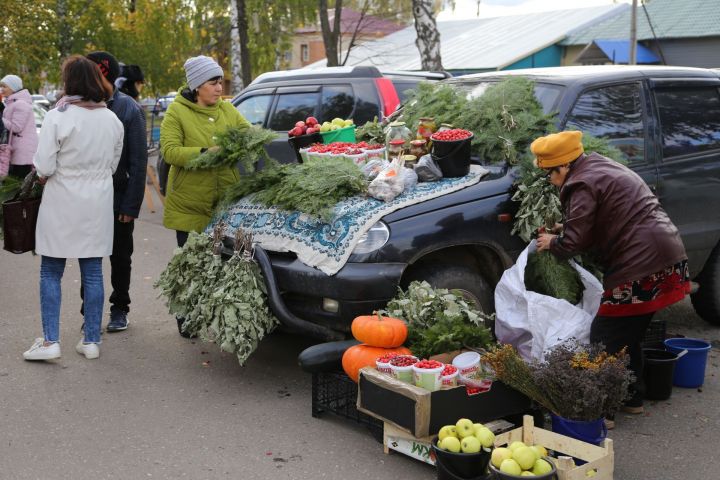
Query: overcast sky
[{"x": 465, "y": 9}]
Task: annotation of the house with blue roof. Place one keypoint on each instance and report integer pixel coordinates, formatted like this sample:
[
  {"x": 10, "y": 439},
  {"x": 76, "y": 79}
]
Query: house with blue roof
[{"x": 669, "y": 32}]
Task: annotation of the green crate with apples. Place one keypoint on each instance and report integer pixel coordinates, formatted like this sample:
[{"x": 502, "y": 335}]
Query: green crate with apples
[{"x": 338, "y": 130}]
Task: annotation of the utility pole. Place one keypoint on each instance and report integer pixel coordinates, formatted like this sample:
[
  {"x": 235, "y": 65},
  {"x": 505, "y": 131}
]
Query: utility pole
[{"x": 632, "y": 60}]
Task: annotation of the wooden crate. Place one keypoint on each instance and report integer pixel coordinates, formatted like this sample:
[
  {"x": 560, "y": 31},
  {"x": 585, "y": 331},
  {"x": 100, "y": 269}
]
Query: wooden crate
[{"x": 600, "y": 458}]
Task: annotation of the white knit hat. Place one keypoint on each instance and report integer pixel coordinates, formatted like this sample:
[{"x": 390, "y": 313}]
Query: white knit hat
[
  {"x": 12, "y": 81},
  {"x": 200, "y": 69}
]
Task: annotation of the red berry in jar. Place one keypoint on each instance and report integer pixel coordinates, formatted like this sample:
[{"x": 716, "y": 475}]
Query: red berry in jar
[
  {"x": 386, "y": 358},
  {"x": 453, "y": 135},
  {"x": 449, "y": 370},
  {"x": 429, "y": 364},
  {"x": 403, "y": 361}
]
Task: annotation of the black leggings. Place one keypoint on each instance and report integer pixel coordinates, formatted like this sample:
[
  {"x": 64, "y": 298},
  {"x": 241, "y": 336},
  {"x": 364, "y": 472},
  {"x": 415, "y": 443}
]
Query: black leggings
[{"x": 618, "y": 332}]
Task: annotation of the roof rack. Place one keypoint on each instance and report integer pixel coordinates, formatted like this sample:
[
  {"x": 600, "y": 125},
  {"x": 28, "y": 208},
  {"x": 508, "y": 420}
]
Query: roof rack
[
  {"x": 307, "y": 73},
  {"x": 417, "y": 73}
]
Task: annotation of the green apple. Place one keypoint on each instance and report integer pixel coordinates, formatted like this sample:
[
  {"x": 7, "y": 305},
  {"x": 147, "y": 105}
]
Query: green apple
[
  {"x": 451, "y": 444},
  {"x": 338, "y": 121},
  {"x": 527, "y": 473},
  {"x": 540, "y": 451},
  {"x": 541, "y": 467},
  {"x": 515, "y": 445},
  {"x": 591, "y": 473},
  {"x": 525, "y": 457},
  {"x": 447, "y": 431},
  {"x": 486, "y": 437},
  {"x": 510, "y": 466},
  {"x": 325, "y": 127},
  {"x": 500, "y": 454},
  {"x": 464, "y": 428},
  {"x": 470, "y": 444},
  {"x": 348, "y": 122},
  {"x": 478, "y": 426}
]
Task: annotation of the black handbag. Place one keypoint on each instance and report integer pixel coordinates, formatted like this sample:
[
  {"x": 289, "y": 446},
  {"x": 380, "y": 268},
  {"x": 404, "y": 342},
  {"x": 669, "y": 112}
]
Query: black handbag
[{"x": 20, "y": 218}]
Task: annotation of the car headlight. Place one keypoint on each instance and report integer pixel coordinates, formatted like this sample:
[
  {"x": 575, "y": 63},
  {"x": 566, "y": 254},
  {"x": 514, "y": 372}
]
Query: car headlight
[{"x": 373, "y": 239}]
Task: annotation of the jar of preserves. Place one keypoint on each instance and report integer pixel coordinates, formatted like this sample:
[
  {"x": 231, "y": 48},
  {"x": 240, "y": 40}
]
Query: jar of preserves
[
  {"x": 397, "y": 131},
  {"x": 426, "y": 127},
  {"x": 409, "y": 160},
  {"x": 418, "y": 147}
]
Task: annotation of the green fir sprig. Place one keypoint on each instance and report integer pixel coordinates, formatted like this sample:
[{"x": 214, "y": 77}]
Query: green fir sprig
[{"x": 243, "y": 146}]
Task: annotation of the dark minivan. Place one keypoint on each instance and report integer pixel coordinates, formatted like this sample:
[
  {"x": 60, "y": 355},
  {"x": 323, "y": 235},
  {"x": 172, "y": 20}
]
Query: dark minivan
[{"x": 665, "y": 120}]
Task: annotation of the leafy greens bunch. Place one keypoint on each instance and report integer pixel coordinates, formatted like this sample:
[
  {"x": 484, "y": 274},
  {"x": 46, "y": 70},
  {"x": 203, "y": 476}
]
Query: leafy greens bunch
[{"x": 439, "y": 320}]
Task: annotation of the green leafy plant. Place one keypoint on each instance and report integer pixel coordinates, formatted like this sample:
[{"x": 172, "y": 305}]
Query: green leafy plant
[
  {"x": 439, "y": 320},
  {"x": 441, "y": 101},
  {"x": 312, "y": 188},
  {"x": 221, "y": 302},
  {"x": 372, "y": 132},
  {"x": 238, "y": 145}
]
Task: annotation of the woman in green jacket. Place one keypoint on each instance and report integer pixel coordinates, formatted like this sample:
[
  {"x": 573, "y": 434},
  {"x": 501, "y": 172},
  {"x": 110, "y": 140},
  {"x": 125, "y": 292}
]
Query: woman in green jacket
[{"x": 196, "y": 115}]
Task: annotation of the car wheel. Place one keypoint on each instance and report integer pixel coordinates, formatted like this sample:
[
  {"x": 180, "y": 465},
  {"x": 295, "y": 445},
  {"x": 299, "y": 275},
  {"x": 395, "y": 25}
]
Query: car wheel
[
  {"x": 469, "y": 282},
  {"x": 706, "y": 300}
]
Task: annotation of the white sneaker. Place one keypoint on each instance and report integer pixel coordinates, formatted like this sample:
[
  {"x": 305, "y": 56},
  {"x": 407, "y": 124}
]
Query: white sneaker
[
  {"x": 39, "y": 351},
  {"x": 90, "y": 350}
]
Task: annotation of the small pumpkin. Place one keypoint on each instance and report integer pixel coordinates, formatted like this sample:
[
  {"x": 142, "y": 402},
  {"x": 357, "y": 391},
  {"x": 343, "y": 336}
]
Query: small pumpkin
[
  {"x": 360, "y": 356},
  {"x": 378, "y": 331}
]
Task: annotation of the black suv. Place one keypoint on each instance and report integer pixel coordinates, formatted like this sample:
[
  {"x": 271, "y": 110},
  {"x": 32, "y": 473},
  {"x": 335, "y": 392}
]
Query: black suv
[
  {"x": 276, "y": 100},
  {"x": 667, "y": 122}
]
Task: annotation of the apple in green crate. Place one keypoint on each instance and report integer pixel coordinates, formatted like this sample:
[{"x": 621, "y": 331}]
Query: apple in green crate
[
  {"x": 540, "y": 451},
  {"x": 464, "y": 428},
  {"x": 515, "y": 445}
]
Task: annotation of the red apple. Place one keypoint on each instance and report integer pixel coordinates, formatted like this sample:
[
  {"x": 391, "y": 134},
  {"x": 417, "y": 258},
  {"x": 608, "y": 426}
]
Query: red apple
[
  {"x": 311, "y": 121},
  {"x": 300, "y": 124}
]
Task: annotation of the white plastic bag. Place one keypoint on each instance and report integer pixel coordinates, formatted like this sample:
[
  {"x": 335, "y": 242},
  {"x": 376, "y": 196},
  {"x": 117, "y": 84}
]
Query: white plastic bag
[
  {"x": 389, "y": 183},
  {"x": 534, "y": 323}
]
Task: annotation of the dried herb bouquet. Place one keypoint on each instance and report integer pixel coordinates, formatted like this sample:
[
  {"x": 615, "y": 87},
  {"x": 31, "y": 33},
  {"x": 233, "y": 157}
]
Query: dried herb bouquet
[{"x": 574, "y": 381}]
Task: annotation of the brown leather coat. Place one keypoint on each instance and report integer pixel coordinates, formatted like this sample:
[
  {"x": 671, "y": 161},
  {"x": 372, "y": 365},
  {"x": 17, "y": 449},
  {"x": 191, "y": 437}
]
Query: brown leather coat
[{"x": 609, "y": 211}]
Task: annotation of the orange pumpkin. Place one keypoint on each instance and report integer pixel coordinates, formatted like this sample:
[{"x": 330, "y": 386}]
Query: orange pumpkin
[
  {"x": 359, "y": 356},
  {"x": 378, "y": 331}
]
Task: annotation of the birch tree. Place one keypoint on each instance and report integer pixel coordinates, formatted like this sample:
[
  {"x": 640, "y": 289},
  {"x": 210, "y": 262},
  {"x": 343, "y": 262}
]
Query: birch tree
[{"x": 428, "y": 36}]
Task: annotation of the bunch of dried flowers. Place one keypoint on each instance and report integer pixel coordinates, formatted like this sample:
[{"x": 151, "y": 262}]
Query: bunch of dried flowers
[{"x": 575, "y": 381}]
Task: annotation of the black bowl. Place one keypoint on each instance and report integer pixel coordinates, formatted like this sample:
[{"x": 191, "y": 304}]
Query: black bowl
[
  {"x": 495, "y": 473},
  {"x": 462, "y": 465}
]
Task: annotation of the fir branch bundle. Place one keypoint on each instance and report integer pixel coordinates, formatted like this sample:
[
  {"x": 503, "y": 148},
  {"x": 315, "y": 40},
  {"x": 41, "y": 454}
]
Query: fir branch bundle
[
  {"x": 372, "y": 132},
  {"x": 548, "y": 275},
  {"x": 238, "y": 145},
  {"x": 312, "y": 188}
]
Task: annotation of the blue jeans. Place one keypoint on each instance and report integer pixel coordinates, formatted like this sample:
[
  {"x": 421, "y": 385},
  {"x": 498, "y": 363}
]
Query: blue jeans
[{"x": 51, "y": 272}]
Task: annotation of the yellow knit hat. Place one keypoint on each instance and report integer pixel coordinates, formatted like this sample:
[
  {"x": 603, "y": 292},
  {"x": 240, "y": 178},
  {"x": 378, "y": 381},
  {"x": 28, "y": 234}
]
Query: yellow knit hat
[{"x": 557, "y": 149}]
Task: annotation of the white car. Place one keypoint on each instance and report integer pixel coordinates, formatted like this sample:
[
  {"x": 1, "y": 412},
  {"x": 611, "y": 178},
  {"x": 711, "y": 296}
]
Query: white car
[
  {"x": 39, "y": 113},
  {"x": 41, "y": 100}
]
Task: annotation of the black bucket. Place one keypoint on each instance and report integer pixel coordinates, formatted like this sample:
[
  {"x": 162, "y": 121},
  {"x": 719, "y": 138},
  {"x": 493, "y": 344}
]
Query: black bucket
[
  {"x": 464, "y": 466},
  {"x": 303, "y": 141},
  {"x": 453, "y": 158},
  {"x": 658, "y": 373}
]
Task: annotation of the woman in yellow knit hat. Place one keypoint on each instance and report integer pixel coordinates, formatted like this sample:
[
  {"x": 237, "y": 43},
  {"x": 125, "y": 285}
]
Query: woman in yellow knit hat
[{"x": 611, "y": 213}]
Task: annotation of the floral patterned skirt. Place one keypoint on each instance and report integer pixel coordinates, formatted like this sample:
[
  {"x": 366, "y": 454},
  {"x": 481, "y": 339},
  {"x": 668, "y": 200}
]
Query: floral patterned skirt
[{"x": 647, "y": 295}]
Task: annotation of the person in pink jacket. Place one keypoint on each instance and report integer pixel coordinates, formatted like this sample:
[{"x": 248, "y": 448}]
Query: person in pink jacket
[{"x": 19, "y": 119}]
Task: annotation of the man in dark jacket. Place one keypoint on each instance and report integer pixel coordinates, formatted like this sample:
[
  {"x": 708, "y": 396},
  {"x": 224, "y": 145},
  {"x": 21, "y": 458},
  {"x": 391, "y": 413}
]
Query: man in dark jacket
[{"x": 129, "y": 184}]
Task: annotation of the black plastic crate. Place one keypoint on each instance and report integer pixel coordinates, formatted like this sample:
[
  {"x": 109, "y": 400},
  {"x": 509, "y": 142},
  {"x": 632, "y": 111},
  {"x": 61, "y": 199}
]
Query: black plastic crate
[
  {"x": 655, "y": 335},
  {"x": 335, "y": 392}
]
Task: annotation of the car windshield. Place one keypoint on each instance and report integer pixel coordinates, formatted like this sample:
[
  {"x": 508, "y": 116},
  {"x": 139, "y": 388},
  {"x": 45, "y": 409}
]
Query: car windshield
[{"x": 546, "y": 93}]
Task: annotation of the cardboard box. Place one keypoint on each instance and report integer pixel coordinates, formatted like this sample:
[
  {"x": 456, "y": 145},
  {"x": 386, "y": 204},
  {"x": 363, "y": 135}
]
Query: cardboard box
[{"x": 422, "y": 413}]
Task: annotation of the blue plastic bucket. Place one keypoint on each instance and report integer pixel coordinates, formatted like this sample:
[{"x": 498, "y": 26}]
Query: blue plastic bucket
[
  {"x": 593, "y": 431},
  {"x": 690, "y": 369}
]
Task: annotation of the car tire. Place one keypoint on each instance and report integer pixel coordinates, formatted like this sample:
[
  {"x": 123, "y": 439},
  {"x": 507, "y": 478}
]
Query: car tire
[
  {"x": 706, "y": 300},
  {"x": 457, "y": 277}
]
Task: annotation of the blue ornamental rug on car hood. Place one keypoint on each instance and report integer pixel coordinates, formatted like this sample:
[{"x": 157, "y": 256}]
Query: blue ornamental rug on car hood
[{"x": 327, "y": 246}]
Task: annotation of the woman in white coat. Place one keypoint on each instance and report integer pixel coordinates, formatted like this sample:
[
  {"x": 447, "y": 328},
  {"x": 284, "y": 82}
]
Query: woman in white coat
[{"x": 79, "y": 148}]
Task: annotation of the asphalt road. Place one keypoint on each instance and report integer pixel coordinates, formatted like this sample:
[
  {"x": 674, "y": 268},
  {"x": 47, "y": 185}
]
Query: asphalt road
[{"x": 156, "y": 405}]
